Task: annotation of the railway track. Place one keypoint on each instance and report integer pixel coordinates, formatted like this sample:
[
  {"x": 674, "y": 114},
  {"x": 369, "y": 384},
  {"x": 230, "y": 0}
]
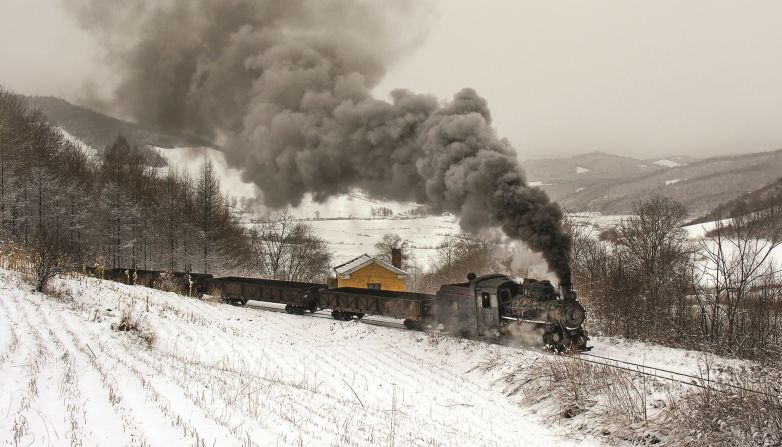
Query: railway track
[
  {"x": 321, "y": 314},
  {"x": 670, "y": 375},
  {"x": 585, "y": 357}
]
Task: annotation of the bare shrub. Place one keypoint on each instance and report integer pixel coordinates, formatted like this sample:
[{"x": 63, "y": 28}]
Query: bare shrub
[
  {"x": 60, "y": 293},
  {"x": 49, "y": 259},
  {"x": 728, "y": 415},
  {"x": 131, "y": 322},
  {"x": 743, "y": 408},
  {"x": 581, "y": 388}
]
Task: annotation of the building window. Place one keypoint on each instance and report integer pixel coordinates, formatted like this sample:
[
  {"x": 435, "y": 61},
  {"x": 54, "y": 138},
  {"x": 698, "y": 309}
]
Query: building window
[
  {"x": 373, "y": 285},
  {"x": 485, "y": 300}
]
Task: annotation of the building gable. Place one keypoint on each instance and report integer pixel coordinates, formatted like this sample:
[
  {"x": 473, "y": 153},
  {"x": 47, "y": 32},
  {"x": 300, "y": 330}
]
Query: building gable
[{"x": 345, "y": 270}]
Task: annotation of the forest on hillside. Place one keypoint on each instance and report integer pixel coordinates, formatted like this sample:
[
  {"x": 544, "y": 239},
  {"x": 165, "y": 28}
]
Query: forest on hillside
[
  {"x": 116, "y": 210},
  {"x": 62, "y": 209}
]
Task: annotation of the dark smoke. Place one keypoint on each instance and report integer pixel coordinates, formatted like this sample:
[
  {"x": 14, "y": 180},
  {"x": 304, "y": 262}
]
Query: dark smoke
[{"x": 287, "y": 85}]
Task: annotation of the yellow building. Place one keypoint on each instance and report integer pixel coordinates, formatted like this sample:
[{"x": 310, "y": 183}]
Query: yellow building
[{"x": 367, "y": 272}]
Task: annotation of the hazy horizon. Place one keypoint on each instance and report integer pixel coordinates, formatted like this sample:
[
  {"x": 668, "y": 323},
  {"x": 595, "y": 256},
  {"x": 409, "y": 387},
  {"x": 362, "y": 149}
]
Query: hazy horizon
[{"x": 644, "y": 80}]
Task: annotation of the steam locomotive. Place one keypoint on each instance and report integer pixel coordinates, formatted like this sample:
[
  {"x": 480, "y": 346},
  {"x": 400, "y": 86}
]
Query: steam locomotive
[
  {"x": 491, "y": 307},
  {"x": 527, "y": 312}
]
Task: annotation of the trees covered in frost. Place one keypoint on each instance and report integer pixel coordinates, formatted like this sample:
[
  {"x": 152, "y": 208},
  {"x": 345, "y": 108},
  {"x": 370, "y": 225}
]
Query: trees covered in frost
[{"x": 61, "y": 208}]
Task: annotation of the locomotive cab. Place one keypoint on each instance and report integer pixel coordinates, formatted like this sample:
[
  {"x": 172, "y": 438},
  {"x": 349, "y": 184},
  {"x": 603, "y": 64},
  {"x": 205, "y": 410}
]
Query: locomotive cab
[
  {"x": 474, "y": 308},
  {"x": 491, "y": 293}
]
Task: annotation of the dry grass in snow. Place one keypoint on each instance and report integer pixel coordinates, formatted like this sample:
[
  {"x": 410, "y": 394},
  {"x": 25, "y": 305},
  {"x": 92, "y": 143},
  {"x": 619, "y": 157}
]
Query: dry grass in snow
[{"x": 726, "y": 402}]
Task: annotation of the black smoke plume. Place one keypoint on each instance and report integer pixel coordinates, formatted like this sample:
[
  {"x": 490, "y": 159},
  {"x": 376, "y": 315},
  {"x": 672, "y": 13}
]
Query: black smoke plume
[{"x": 287, "y": 85}]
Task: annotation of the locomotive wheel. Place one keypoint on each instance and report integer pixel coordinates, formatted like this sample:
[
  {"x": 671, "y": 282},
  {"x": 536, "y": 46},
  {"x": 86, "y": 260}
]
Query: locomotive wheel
[{"x": 288, "y": 308}]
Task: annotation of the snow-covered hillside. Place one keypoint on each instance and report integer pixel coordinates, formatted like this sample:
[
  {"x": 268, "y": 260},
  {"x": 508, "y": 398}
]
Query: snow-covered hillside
[{"x": 202, "y": 373}]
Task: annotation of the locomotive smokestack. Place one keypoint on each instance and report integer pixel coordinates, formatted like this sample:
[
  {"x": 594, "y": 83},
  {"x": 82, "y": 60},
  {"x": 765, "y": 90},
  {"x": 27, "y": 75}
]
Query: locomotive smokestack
[
  {"x": 396, "y": 258},
  {"x": 288, "y": 86}
]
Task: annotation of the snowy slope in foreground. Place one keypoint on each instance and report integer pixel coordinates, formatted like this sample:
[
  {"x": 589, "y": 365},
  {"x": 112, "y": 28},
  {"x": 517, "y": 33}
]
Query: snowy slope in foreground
[{"x": 221, "y": 375}]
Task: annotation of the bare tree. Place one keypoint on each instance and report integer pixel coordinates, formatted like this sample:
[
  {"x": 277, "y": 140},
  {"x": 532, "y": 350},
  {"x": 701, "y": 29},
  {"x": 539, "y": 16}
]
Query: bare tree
[
  {"x": 309, "y": 258},
  {"x": 210, "y": 203},
  {"x": 459, "y": 255},
  {"x": 656, "y": 252},
  {"x": 393, "y": 241},
  {"x": 284, "y": 248},
  {"x": 269, "y": 244},
  {"x": 738, "y": 268}
]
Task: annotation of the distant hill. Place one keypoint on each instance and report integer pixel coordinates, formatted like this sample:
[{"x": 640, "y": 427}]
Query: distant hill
[
  {"x": 99, "y": 130},
  {"x": 610, "y": 184},
  {"x": 761, "y": 199}
]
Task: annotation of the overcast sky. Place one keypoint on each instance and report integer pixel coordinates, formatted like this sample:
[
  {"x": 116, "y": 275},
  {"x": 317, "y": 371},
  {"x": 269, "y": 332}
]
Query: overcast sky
[{"x": 639, "y": 78}]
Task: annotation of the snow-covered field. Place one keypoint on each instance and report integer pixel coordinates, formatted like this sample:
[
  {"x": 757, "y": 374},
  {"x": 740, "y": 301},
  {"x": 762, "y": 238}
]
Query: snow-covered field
[
  {"x": 349, "y": 238},
  {"x": 221, "y": 375}
]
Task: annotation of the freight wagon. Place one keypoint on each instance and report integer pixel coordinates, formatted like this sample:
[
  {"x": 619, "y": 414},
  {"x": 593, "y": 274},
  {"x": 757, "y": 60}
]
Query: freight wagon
[{"x": 298, "y": 297}]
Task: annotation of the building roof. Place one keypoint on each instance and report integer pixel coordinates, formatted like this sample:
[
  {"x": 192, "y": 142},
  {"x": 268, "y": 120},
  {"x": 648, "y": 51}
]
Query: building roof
[{"x": 363, "y": 261}]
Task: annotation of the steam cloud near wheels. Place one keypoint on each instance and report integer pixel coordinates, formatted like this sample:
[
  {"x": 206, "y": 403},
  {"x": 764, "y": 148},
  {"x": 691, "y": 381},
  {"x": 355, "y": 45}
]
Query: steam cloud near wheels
[{"x": 286, "y": 85}]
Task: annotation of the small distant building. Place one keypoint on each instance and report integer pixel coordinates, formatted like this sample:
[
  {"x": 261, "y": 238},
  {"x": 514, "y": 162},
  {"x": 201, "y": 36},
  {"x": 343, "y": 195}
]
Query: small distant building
[{"x": 367, "y": 272}]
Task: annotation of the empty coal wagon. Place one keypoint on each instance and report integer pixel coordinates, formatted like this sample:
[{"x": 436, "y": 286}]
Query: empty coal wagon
[
  {"x": 297, "y": 296},
  {"x": 184, "y": 283},
  {"x": 417, "y": 309}
]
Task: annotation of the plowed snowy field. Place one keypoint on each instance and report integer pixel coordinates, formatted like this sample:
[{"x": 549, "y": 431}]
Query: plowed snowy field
[{"x": 221, "y": 375}]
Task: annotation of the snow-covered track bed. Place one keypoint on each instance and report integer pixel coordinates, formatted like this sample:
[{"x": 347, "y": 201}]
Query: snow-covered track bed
[{"x": 193, "y": 372}]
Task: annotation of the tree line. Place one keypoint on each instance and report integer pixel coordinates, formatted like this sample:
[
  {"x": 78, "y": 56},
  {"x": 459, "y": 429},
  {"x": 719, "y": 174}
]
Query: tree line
[
  {"x": 63, "y": 209},
  {"x": 647, "y": 279}
]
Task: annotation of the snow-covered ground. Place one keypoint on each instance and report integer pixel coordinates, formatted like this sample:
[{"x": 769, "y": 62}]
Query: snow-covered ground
[
  {"x": 668, "y": 163},
  {"x": 88, "y": 150},
  {"x": 222, "y": 375},
  {"x": 652, "y": 356},
  {"x": 597, "y": 221},
  {"x": 215, "y": 374}
]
